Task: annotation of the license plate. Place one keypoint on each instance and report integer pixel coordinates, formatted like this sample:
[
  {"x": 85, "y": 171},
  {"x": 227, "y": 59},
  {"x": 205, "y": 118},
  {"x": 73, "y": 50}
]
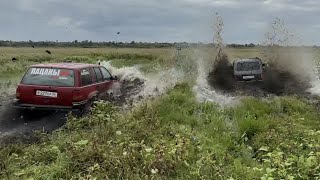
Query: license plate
[
  {"x": 46, "y": 94},
  {"x": 248, "y": 77}
]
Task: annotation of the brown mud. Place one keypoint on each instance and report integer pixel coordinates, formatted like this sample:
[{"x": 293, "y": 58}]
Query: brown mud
[
  {"x": 276, "y": 82},
  {"x": 288, "y": 70}
]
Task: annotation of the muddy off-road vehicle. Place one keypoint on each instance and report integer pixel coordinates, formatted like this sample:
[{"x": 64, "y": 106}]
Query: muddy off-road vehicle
[
  {"x": 248, "y": 69},
  {"x": 63, "y": 86}
]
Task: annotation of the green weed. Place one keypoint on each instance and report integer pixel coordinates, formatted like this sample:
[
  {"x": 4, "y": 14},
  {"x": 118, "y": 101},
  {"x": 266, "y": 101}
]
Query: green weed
[{"x": 175, "y": 137}]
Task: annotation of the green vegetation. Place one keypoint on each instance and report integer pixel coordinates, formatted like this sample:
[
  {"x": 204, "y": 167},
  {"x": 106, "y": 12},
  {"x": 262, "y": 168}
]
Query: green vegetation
[
  {"x": 174, "y": 137},
  {"x": 119, "y": 57},
  {"x": 171, "y": 137},
  {"x": 90, "y": 44},
  {"x": 11, "y": 72}
]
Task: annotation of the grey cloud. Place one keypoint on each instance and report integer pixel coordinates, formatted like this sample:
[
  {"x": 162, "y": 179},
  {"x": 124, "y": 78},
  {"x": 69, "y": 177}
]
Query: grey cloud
[{"x": 153, "y": 20}]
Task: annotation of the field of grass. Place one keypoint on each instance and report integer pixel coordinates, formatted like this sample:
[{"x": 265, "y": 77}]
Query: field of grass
[
  {"x": 27, "y": 56},
  {"x": 11, "y": 72},
  {"x": 170, "y": 137}
]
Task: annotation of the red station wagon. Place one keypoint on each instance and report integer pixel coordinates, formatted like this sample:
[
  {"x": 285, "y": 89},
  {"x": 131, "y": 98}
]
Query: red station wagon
[{"x": 63, "y": 86}]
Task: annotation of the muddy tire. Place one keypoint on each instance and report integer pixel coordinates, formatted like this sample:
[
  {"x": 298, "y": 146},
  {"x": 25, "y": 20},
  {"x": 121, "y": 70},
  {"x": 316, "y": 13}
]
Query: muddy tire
[{"x": 86, "y": 108}]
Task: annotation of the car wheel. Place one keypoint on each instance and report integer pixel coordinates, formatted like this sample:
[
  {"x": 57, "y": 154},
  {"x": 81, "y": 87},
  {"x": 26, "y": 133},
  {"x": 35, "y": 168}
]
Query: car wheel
[{"x": 86, "y": 108}]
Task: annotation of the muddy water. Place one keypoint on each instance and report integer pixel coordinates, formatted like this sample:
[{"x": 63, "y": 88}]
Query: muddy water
[
  {"x": 205, "y": 93},
  {"x": 290, "y": 70},
  {"x": 16, "y": 125},
  {"x": 215, "y": 82},
  {"x": 137, "y": 85}
]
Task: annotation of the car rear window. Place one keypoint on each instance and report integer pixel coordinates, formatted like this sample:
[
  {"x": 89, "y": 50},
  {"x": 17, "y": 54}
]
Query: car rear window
[
  {"x": 49, "y": 77},
  {"x": 248, "y": 66}
]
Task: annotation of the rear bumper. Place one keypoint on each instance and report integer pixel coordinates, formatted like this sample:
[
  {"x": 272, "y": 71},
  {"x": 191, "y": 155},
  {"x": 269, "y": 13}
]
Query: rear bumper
[
  {"x": 75, "y": 107},
  {"x": 241, "y": 78}
]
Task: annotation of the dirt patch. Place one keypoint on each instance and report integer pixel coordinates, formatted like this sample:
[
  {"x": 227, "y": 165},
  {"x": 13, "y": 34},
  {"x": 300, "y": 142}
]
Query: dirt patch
[
  {"x": 221, "y": 75},
  {"x": 284, "y": 83},
  {"x": 19, "y": 126},
  {"x": 289, "y": 69},
  {"x": 125, "y": 93},
  {"x": 276, "y": 82}
]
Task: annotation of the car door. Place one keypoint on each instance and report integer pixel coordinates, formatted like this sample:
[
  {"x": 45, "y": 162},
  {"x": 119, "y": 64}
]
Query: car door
[
  {"x": 88, "y": 86},
  {"x": 107, "y": 79},
  {"x": 99, "y": 80}
]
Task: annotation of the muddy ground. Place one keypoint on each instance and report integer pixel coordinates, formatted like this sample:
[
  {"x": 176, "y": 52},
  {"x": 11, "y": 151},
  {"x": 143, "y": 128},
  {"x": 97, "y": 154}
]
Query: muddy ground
[
  {"x": 19, "y": 126},
  {"x": 276, "y": 82}
]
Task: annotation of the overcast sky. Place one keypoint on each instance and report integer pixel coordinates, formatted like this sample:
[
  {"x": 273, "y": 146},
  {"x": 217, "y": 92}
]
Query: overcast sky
[{"x": 154, "y": 20}]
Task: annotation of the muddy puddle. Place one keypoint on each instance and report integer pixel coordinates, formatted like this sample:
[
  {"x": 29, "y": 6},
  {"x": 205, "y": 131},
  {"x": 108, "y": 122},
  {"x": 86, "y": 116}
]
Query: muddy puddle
[
  {"x": 276, "y": 82},
  {"x": 289, "y": 71}
]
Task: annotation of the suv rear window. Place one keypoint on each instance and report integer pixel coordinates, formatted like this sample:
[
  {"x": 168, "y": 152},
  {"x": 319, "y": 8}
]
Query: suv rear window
[
  {"x": 49, "y": 77},
  {"x": 248, "y": 66}
]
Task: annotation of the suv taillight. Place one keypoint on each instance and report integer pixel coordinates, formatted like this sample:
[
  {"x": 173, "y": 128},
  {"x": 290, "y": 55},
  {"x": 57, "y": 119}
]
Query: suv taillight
[
  {"x": 18, "y": 94},
  {"x": 77, "y": 96}
]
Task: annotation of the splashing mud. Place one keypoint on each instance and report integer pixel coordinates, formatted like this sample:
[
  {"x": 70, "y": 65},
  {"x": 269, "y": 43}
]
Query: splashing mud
[
  {"x": 203, "y": 88},
  {"x": 205, "y": 93},
  {"x": 289, "y": 69},
  {"x": 134, "y": 85},
  {"x": 221, "y": 75}
]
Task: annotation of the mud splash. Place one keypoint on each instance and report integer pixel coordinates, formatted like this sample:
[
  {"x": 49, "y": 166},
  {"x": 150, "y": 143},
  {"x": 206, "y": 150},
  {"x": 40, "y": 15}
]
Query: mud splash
[
  {"x": 289, "y": 69},
  {"x": 211, "y": 72},
  {"x": 135, "y": 85},
  {"x": 205, "y": 93}
]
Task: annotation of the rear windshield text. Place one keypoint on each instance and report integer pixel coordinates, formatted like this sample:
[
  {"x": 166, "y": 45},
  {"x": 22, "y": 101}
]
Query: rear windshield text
[{"x": 49, "y": 77}]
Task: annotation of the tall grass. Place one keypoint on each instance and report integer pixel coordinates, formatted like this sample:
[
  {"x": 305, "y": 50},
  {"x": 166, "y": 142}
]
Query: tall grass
[
  {"x": 120, "y": 57},
  {"x": 175, "y": 137}
]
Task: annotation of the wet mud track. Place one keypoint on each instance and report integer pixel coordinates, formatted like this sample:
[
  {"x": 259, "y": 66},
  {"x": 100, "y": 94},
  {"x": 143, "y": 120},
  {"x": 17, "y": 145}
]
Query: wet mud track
[
  {"x": 18, "y": 125},
  {"x": 125, "y": 93},
  {"x": 275, "y": 82}
]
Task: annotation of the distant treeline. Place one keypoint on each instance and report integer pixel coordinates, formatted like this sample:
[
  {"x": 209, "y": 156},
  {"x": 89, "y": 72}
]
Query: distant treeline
[
  {"x": 241, "y": 45},
  {"x": 133, "y": 44},
  {"x": 83, "y": 44}
]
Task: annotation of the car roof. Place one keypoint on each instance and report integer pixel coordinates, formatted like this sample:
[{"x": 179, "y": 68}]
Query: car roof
[{"x": 66, "y": 65}]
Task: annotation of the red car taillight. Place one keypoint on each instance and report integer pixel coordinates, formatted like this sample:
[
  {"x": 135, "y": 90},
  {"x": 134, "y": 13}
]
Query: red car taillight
[{"x": 18, "y": 94}]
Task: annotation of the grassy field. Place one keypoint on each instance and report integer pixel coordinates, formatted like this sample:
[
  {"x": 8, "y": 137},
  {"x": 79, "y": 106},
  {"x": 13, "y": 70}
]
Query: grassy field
[
  {"x": 27, "y": 56},
  {"x": 170, "y": 137},
  {"x": 11, "y": 72}
]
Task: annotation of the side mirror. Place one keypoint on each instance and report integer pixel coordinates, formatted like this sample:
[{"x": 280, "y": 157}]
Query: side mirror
[{"x": 115, "y": 78}]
